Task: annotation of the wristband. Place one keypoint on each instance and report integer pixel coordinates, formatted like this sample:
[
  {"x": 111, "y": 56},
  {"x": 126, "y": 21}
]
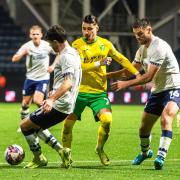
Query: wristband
[{"x": 97, "y": 64}]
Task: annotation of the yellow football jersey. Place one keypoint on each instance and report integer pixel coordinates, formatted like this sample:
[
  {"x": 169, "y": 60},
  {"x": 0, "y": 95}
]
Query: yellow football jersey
[{"x": 94, "y": 78}]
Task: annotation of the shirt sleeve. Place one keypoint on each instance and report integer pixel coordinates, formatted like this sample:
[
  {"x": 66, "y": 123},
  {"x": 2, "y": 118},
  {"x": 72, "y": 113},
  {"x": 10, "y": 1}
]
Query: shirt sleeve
[
  {"x": 21, "y": 49},
  {"x": 67, "y": 65},
  {"x": 157, "y": 57},
  {"x": 121, "y": 59}
]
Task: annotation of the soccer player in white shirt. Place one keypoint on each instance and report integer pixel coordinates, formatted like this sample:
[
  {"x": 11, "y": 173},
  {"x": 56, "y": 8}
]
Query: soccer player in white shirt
[
  {"x": 37, "y": 53},
  {"x": 59, "y": 104},
  {"x": 155, "y": 56}
]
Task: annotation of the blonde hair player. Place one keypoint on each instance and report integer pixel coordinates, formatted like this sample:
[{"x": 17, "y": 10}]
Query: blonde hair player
[{"x": 38, "y": 71}]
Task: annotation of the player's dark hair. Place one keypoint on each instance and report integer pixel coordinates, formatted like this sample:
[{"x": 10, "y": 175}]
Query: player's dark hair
[
  {"x": 90, "y": 19},
  {"x": 57, "y": 33},
  {"x": 141, "y": 23}
]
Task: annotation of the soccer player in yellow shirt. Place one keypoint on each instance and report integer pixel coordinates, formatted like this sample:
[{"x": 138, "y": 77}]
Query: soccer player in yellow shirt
[{"x": 94, "y": 52}]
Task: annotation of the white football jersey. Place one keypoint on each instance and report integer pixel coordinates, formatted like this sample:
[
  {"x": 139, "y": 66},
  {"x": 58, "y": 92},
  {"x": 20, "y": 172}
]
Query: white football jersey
[
  {"x": 69, "y": 63},
  {"x": 37, "y": 61},
  {"x": 160, "y": 53}
]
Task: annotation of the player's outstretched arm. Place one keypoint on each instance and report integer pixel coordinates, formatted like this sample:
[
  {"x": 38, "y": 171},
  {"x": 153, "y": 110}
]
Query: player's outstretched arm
[
  {"x": 145, "y": 78},
  {"x": 52, "y": 66},
  {"x": 18, "y": 57},
  {"x": 123, "y": 73},
  {"x": 117, "y": 74}
]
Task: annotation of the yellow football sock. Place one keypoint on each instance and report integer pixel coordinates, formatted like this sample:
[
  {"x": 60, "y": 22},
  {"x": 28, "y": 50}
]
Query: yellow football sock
[
  {"x": 67, "y": 133},
  {"x": 104, "y": 129}
]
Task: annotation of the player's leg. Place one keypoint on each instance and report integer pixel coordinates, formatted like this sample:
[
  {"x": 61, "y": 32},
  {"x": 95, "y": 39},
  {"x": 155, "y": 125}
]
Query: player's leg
[
  {"x": 147, "y": 122},
  {"x": 46, "y": 120},
  {"x": 69, "y": 122},
  {"x": 167, "y": 117},
  {"x": 32, "y": 127},
  {"x": 50, "y": 140},
  {"x": 152, "y": 112},
  {"x": 40, "y": 91},
  {"x": 27, "y": 93},
  {"x": 24, "y": 112},
  {"x": 28, "y": 129},
  {"x": 101, "y": 107},
  {"x": 66, "y": 136},
  {"x": 38, "y": 98},
  {"x": 45, "y": 135},
  {"x": 67, "y": 130},
  {"x": 105, "y": 117}
]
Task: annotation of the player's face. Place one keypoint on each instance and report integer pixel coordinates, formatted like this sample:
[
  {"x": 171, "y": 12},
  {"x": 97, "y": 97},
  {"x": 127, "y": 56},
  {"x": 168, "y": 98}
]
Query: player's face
[
  {"x": 89, "y": 31},
  {"x": 36, "y": 35},
  {"x": 143, "y": 35}
]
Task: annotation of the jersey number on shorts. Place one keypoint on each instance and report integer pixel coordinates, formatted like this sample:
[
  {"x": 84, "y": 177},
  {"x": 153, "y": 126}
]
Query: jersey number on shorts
[{"x": 174, "y": 94}]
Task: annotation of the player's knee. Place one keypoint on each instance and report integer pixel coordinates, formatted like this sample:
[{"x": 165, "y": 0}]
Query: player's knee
[
  {"x": 165, "y": 122},
  {"x": 168, "y": 113},
  {"x": 38, "y": 102},
  {"x": 106, "y": 120},
  {"x": 24, "y": 126},
  {"x": 106, "y": 124},
  {"x": 167, "y": 118}
]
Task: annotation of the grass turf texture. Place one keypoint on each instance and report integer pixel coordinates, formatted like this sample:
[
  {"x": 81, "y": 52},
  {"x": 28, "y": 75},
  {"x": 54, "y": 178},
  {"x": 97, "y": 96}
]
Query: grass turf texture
[{"x": 122, "y": 147}]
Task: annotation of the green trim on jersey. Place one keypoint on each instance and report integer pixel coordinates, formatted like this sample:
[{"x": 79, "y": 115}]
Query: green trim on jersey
[
  {"x": 84, "y": 39},
  {"x": 95, "y": 101}
]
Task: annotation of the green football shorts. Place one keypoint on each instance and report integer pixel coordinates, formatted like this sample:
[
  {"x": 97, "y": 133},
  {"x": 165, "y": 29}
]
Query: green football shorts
[{"x": 96, "y": 102}]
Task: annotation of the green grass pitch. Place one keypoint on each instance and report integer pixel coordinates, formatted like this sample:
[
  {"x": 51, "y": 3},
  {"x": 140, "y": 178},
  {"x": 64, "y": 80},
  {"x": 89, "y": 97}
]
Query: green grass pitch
[{"x": 122, "y": 147}]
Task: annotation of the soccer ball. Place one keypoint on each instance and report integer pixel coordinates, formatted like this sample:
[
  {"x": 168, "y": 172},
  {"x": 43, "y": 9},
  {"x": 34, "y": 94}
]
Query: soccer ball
[{"x": 14, "y": 154}]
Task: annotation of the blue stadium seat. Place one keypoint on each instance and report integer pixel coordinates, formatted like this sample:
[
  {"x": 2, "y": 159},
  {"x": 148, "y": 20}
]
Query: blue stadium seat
[{"x": 11, "y": 38}]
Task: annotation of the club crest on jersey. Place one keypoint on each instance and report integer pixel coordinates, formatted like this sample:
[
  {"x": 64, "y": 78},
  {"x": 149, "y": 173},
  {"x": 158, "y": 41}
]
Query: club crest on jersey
[{"x": 102, "y": 47}]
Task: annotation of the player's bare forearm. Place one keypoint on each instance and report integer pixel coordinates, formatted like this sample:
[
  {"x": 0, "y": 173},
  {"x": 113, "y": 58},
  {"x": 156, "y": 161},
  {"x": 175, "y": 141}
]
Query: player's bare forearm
[
  {"x": 18, "y": 57},
  {"x": 65, "y": 86},
  {"x": 123, "y": 73},
  {"x": 145, "y": 78}
]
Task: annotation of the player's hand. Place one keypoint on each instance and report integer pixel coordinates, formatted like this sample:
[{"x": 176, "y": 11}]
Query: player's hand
[
  {"x": 50, "y": 69},
  {"x": 107, "y": 61},
  {"x": 47, "y": 105},
  {"x": 119, "y": 85}
]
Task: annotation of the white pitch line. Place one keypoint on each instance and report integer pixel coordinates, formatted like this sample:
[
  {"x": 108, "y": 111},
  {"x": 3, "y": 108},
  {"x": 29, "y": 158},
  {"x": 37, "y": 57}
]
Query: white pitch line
[{"x": 91, "y": 161}]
